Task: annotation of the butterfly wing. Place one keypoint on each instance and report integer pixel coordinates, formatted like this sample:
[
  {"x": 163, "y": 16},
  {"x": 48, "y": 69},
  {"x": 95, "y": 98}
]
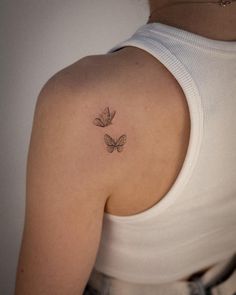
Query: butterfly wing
[
  {"x": 98, "y": 122},
  {"x": 110, "y": 143},
  {"x": 119, "y": 148},
  {"x": 105, "y": 114},
  {"x": 110, "y": 148},
  {"x": 104, "y": 118},
  {"x": 112, "y": 115},
  {"x": 120, "y": 142}
]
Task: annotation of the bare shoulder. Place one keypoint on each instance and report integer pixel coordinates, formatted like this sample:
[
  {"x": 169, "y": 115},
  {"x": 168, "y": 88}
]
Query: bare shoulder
[
  {"x": 67, "y": 108},
  {"x": 142, "y": 100},
  {"x": 71, "y": 171},
  {"x": 131, "y": 84},
  {"x": 91, "y": 114},
  {"x": 152, "y": 113}
]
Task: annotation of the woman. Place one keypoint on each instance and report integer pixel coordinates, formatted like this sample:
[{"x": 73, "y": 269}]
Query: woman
[{"x": 131, "y": 166}]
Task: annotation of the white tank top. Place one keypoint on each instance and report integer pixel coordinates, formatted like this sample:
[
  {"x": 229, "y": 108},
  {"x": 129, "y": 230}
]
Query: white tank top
[{"x": 194, "y": 224}]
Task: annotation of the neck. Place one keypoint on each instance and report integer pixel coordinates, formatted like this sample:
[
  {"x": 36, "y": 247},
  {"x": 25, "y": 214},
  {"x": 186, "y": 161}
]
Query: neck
[{"x": 206, "y": 19}]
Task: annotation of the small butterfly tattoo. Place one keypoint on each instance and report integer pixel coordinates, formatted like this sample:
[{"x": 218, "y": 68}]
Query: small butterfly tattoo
[
  {"x": 115, "y": 144},
  {"x": 105, "y": 118}
]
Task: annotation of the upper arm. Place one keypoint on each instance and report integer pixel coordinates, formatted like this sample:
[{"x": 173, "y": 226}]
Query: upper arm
[{"x": 68, "y": 183}]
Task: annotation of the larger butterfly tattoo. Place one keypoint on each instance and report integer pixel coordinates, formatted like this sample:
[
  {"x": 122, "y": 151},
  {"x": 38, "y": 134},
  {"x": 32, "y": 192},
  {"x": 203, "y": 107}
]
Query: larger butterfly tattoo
[
  {"x": 105, "y": 118},
  {"x": 113, "y": 144}
]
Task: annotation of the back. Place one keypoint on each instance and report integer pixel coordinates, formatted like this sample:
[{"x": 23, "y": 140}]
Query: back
[
  {"x": 158, "y": 124},
  {"x": 193, "y": 225}
]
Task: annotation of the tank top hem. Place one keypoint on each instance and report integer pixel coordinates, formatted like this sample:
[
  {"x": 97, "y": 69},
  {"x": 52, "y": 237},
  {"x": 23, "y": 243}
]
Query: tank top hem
[{"x": 153, "y": 278}]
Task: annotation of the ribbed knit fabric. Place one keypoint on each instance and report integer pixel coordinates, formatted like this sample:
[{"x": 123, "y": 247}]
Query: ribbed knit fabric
[{"x": 194, "y": 224}]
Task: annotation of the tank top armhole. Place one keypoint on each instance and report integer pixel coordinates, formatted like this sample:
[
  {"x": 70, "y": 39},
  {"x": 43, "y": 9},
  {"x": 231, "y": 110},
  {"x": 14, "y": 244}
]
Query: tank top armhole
[{"x": 177, "y": 69}]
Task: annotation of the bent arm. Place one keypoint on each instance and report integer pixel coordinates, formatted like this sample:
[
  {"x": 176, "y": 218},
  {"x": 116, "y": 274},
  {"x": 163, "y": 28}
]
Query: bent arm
[{"x": 65, "y": 194}]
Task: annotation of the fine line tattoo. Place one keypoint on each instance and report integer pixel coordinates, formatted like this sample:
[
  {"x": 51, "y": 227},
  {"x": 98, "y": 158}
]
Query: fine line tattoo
[
  {"x": 105, "y": 118},
  {"x": 113, "y": 144}
]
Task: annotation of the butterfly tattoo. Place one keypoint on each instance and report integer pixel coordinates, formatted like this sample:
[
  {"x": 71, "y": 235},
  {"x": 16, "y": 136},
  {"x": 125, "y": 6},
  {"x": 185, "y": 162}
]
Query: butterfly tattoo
[
  {"x": 113, "y": 144},
  {"x": 105, "y": 118}
]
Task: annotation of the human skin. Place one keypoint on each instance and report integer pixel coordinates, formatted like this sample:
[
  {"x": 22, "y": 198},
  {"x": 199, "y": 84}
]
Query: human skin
[
  {"x": 71, "y": 177},
  {"x": 209, "y": 20}
]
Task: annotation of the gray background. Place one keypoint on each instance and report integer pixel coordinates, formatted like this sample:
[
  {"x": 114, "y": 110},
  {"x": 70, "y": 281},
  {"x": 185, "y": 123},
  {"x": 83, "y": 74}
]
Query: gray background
[{"x": 38, "y": 38}]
